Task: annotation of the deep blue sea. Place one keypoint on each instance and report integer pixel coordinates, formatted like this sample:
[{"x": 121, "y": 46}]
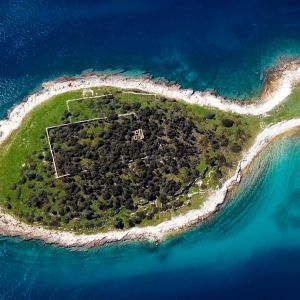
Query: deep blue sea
[{"x": 250, "y": 249}]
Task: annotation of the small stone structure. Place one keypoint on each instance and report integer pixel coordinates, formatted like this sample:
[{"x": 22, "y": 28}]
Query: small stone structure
[{"x": 138, "y": 134}]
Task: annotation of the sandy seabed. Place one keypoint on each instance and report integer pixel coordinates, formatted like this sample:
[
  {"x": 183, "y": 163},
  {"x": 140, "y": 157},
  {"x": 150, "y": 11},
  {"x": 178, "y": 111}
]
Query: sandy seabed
[{"x": 278, "y": 86}]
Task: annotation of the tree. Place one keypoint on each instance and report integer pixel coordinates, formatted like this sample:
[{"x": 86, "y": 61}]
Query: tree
[
  {"x": 209, "y": 115},
  {"x": 227, "y": 122},
  {"x": 235, "y": 148},
  {"x": 177, "y": 203},
  {"x": 119, "y": 223},
  {"x": 112, "y": 116},
  {"x": 8, "y": 205},
  {"x": 67, "y": 114}
]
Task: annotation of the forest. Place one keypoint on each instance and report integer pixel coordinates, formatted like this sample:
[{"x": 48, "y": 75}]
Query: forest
[{"x": 139, "y": 159}]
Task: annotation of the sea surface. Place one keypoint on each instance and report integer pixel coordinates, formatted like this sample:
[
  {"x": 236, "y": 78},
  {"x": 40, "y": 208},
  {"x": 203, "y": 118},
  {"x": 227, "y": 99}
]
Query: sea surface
[{"x": 251, "y": 248}]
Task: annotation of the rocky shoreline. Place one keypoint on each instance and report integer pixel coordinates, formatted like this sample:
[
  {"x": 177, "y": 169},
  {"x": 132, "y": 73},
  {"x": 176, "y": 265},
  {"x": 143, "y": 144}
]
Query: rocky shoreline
[{"x": 279, "y": 85}]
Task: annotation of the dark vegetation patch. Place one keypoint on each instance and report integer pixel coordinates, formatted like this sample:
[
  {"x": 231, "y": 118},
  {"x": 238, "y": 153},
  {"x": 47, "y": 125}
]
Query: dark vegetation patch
[
  {"x": 115, "y": 169},
  {"x": 236, "y": 148},
  {"x": 209, "y": 115},
  {"x": 227, "y": 122}
]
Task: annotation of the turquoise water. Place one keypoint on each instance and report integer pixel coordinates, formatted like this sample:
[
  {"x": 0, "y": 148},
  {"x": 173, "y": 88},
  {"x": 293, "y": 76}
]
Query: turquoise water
[{"x": 253, "y": 243}]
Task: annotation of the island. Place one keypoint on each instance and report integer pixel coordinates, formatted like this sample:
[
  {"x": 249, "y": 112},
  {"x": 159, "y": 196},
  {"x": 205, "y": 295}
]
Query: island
[{"x": 103, "y": 158}]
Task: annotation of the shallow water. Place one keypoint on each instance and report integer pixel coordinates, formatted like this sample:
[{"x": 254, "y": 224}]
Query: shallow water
[{"x": 249, "y": 250}]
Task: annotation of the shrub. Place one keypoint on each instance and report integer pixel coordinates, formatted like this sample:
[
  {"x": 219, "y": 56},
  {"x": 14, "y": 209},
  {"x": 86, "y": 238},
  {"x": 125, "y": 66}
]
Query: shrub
[
  {"x": 22, "y": 180},
  {"x": 209, "y": 116},
  {"x": 224, "y": 141},
  {"x": 149, "y": 216},
  {"x": 13, "y": 186},
  {"x": 131, "y": 222},
  {"x": 41, "y": 156},
  {"x": 67, "y": 114},
  {"x": 54, "y": 222},
  {"x": 235, "y": 148},
  {"x": 39, "y": 177},
  {"x": 177, "y": 203},
  {"x": 8, "y": 205},
  {"x": 119, "y": 223},
  {"x": 31, "y": 175},
  {"x": 39, "y": 218},
  {"x": 30, "y": 219},
  {"x": 227, "y": 123},
  {"x": 112, "y": 116},
  {"x": 134, "y": 220}
]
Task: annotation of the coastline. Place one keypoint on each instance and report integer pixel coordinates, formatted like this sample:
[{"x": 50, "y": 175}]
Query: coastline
[{"x": 279, "y": 85}]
